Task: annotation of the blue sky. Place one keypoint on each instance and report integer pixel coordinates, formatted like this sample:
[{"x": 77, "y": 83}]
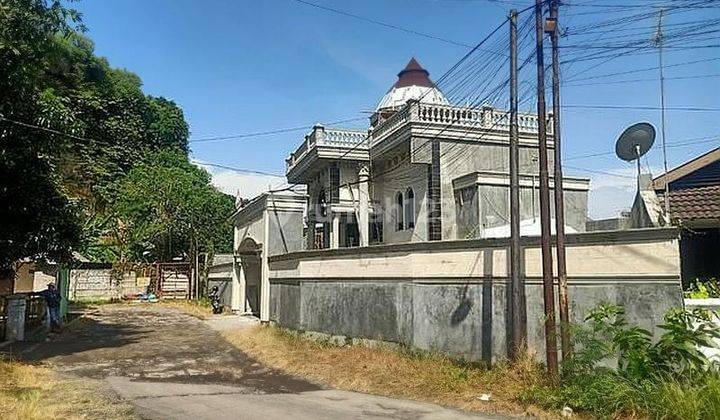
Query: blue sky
[{"x": 246, "y": 66}]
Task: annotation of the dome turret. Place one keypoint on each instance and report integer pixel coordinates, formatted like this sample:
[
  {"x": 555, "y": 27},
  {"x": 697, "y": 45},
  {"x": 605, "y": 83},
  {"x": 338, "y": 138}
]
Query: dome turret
[{"x": 413, "y": 83}]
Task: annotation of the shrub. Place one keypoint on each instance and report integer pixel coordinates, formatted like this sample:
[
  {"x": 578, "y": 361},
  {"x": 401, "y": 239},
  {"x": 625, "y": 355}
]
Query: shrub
[
  {"x": 608, "y": 335},
  {"x": 703, "y": 289},
  {"x": 669, "y": 378}
]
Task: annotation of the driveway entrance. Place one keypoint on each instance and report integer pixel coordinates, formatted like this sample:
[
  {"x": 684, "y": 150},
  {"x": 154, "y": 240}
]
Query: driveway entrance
[{"x": 170, "y": 365}]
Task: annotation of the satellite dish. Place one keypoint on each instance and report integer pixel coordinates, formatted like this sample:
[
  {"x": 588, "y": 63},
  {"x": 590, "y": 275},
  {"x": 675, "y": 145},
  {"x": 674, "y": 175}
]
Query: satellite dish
[{"x": 634, "y": 142}]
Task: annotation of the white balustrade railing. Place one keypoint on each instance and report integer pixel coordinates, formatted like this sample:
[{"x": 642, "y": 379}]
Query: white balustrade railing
[
  {"x": 486, "y": 118},
  {"x": 391, "y": 124},
  {"x": 343, "y": 138},
  {"x": 321, "y": 136}
]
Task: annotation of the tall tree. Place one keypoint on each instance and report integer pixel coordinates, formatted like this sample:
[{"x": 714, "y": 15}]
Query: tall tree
[
  {"x": 37, "y": 218},
  {"x": 164, "y": 207},
  {"x": 83, "y": 151}
]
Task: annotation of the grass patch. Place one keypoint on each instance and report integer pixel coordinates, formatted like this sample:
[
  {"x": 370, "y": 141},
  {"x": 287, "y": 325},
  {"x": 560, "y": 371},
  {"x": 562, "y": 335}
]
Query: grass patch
[
  {"x": 34, "y": 392},
  {"x": 400, "y": 373},
  {"x": 662, "y": 377},
  {"x": 198, "y": 308},
  {"x": 609, "y": 396}
]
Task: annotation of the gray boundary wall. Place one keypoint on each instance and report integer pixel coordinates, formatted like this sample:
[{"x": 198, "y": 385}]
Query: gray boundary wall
[
  {"x": 219, "y": 273},
  {"x": 450, "y": 296},
  {"x": 96, "y": 281}
]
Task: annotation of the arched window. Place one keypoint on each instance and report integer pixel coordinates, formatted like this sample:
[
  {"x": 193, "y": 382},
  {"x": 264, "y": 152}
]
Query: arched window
[
  {"x": 321, "y": 209},
  {"x": 410, "y": 208},
  {"x": 399, "y": 225}
]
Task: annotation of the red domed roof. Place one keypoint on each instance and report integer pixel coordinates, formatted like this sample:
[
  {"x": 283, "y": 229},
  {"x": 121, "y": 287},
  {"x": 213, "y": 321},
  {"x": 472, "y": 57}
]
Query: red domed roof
[{"x": 414, "y": 75}]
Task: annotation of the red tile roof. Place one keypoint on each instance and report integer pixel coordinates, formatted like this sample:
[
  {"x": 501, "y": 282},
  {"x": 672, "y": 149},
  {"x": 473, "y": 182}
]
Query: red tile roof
[{"x": 697, "y": 203}]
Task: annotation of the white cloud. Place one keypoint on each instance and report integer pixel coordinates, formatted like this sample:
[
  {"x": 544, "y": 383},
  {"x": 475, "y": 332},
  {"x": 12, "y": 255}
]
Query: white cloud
[
  {"x": 607, "y": 202},
  {"x": 247, "y": 183},
  {"x": 610, "y": 195}
]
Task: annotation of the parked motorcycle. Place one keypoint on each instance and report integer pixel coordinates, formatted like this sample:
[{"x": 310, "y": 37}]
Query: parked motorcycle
[{"x": 217, "y": 306}]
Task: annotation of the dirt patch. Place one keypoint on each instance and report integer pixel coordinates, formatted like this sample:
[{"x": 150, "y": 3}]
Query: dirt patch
[{"x": 148, "y": 342}]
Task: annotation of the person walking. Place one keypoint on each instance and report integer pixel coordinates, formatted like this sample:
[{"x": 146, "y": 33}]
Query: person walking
[{"x": 52, "y": 300}]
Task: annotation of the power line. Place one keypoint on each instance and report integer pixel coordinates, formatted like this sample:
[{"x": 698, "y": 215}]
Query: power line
[
  {"x": 642, "y": 70},
  {"x": 599, "y": 172},
  {"x": 654, "y": 79},
  {"x": 646, "y": 108},
  {"x": 268, "y": 132},
  {"x": 384, "y": 24},
  {"x": 678, "y": 143},
  {"x": 234, "y": 169},
  {"x": 73, "y": 136},
  {"x": 48, "y": 130}
]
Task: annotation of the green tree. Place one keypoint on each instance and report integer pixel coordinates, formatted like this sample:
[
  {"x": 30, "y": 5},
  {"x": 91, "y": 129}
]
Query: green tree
[
  {"x": 37, "y": 217},
  {"x": 166, "y": 207},
  {"x": 77, "y": 138}
]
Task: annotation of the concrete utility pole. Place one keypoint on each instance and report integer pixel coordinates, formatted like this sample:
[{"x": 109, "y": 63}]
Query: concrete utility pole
[
  {"x": 545, "y": 239},
  {"x": 553, "y": 28},
  {"x": 517, "y": 282},
  {"x": 659, "y": 41}
]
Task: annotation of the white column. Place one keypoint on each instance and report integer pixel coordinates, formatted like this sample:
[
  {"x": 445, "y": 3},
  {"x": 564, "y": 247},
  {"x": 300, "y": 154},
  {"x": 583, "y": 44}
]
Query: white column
[
  {"x": 335, "y": 233},
  {"x": 265, "y": 271},
  {"x": 239, "y": 302},
  {"x": 363, "y": 215}
]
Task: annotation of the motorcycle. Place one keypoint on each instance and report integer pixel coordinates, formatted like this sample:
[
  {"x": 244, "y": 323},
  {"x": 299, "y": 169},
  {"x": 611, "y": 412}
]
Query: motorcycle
[{"x": 214, "y": 296}]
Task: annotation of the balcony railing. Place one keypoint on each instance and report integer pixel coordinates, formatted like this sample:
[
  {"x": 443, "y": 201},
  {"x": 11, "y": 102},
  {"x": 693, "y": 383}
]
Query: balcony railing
[
  {"x": 321, "y": 136},
  {"x": 485, "y": 118}
]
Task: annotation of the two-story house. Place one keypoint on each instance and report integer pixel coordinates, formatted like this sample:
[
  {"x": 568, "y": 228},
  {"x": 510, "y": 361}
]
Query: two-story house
[{"x": 424, "y": 170}]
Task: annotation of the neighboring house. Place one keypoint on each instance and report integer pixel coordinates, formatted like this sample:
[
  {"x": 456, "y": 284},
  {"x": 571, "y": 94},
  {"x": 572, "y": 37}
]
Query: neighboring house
[
  {"x": 270, "y": 224},
  {"x": 694, "y": 200},
  {"x": 29, "y": 277},
  {"x": 425, "y": 170}
]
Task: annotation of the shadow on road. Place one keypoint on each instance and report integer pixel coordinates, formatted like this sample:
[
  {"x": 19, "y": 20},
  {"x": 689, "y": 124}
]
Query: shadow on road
[{"x": 154, "y": 344}]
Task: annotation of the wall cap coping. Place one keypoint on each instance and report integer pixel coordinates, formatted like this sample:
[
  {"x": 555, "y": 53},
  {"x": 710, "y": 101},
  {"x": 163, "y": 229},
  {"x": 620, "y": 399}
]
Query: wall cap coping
[
  {"x": 268, "y": 201},
  {"x": 703, "y": 302},
  {"x": 600, "y": 237}
]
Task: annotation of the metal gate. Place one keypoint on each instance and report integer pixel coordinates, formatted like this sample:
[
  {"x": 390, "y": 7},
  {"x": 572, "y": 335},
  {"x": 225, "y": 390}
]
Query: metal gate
[{"x": 173, "y": 280}]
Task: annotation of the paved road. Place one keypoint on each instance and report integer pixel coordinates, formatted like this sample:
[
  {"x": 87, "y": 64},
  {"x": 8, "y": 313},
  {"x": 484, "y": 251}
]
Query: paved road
[{"x": 173, "y": 366}]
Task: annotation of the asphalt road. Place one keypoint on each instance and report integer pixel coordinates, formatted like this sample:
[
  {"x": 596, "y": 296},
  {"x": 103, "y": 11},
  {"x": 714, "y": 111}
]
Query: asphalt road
[{"x": 170, "y": 365}]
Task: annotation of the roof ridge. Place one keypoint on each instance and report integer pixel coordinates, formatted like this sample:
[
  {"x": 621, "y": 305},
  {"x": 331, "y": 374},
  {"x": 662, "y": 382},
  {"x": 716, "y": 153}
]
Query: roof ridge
[{"x": 688, "y": 167}]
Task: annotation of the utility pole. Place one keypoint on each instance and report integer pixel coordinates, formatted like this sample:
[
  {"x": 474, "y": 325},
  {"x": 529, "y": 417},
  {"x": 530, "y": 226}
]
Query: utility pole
[
  {"x": 517, "y": 282},
  {"x": 545, "y": 239},
  {"x": 659, "y": 41},
  {"x": 553, "y": 28}
]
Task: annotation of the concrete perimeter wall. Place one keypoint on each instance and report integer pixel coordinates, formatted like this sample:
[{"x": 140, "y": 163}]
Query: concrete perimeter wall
[
  {"x": 450, "y": 296},
  {"x": 100, "y": 283},
  {"x": 219, "y": 273}
]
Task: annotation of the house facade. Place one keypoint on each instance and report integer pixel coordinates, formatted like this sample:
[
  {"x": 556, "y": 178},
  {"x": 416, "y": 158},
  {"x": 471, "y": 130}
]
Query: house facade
[
  {"x": 425, "y": 170},
  {"x": 694, "y": 205},
  {"x": 269, "y": 224}
]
